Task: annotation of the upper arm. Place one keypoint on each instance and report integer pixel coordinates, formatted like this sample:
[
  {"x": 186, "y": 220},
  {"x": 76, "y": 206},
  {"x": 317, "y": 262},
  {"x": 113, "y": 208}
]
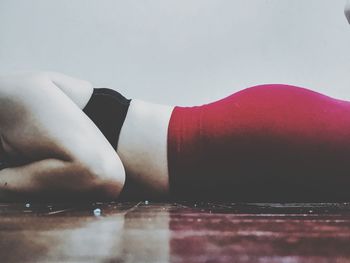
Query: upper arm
[{"x": 39, "y": 121}]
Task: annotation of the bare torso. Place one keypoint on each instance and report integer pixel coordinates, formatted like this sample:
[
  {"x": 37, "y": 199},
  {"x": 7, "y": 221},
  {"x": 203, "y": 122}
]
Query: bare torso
[
  {"x": 142, "y": 148},
  {"x": 142, "y": 144}
]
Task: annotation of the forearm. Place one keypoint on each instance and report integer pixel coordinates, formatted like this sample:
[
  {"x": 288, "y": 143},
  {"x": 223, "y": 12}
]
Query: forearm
[{"x": 52, "y": 179}]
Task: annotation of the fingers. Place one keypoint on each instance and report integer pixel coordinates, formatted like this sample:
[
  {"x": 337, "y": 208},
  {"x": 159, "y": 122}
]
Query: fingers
[{"x": 78, "y": 90}]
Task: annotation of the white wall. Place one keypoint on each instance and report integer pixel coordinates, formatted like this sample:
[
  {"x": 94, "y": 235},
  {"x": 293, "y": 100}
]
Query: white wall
[{"x": 181, "y": 51}]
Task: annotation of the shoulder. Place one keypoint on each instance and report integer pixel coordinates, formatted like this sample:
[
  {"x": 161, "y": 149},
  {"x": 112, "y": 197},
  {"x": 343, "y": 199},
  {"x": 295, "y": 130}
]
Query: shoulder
[
  {"x": 26, "y": 84},
  {"x": 20, "y": 92},
  {"x": 22, "y": 86}
]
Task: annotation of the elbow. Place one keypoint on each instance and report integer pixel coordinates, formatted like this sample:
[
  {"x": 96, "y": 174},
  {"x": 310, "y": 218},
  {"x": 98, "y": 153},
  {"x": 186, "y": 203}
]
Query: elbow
[
  {"x": 112, "y": 179},
  {"x": 110, "y": 176},
  {"x": 106, "y": 177}
]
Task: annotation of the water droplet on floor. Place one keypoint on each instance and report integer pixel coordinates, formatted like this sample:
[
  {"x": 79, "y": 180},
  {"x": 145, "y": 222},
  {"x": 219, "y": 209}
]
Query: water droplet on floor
[{"x": 97, "y": 212}]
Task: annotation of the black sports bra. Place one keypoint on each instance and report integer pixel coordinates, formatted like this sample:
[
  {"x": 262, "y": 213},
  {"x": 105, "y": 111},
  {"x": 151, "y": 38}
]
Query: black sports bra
[{"x": 107, "y": 108}]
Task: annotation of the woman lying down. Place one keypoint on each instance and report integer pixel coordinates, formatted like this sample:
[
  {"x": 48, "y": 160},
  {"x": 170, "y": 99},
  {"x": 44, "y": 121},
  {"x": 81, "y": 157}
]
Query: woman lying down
[{"x": 62, "y": 139}]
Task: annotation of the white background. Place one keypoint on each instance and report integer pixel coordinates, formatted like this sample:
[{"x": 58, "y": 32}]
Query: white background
[{"x": 181, "y": 51}]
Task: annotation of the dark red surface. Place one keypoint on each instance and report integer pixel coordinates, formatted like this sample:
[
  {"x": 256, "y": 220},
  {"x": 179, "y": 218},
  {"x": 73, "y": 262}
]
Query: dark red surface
[
  {"x": 175, "y": 232},
  {"x": 266, "y": 143}
]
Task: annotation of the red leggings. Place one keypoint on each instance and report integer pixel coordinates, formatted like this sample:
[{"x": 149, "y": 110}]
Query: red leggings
[{"x": 266, "y": 143}]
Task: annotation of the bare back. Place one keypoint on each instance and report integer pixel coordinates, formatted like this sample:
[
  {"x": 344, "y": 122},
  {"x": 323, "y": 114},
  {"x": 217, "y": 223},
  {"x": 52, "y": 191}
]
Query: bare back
[{"x": 43, "y": 130}]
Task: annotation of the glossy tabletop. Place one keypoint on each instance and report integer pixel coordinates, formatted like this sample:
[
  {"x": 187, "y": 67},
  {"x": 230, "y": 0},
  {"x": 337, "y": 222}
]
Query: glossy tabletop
[{"x": 175, "y": 232}]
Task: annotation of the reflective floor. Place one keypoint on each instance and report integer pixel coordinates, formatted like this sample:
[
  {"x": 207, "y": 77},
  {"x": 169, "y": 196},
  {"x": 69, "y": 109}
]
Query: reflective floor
[{"x": 175, "y": 232}]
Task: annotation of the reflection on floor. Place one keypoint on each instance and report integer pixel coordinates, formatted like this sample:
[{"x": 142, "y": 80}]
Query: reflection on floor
[{"x": 175, "y": 232}]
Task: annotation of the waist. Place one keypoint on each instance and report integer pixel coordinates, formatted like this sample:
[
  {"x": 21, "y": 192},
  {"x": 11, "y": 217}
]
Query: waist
[{"x": 142, "y": 145}]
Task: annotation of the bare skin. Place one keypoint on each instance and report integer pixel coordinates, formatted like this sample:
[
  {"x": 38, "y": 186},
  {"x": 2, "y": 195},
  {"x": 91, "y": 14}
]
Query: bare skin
[
  {"x": 55, "y": 151},
  {"x": 142, "y": 144},
  {"x": 142, "y": 147}
]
